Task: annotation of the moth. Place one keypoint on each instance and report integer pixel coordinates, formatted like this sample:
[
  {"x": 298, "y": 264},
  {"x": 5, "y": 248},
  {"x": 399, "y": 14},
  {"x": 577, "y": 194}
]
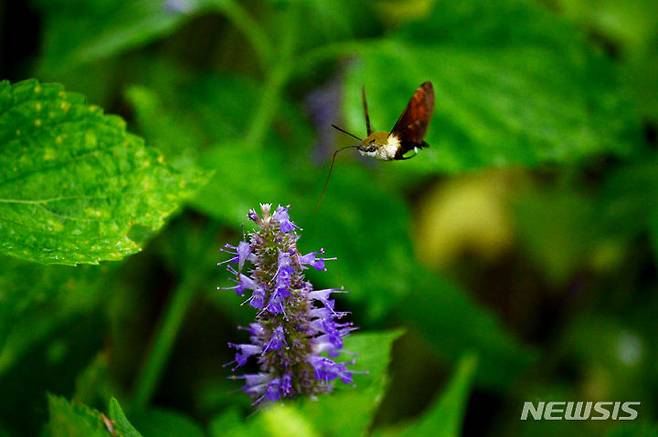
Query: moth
[
  {"x": 400, "y": 143},
  {"x": 407, "y": 134}
]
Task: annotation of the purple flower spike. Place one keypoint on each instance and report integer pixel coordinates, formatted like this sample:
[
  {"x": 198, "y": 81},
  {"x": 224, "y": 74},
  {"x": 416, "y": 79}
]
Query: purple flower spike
[{"x": 297, "y": 334}]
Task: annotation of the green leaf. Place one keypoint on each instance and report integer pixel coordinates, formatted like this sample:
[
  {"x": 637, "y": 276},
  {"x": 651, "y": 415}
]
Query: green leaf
[
  {"x": 73, "y": 182},
  {"x": 73, "y": 419},
  {"x": 454, "y": 324},
  {"x": 121, "y": 423},
  {"x": 519, "y": 87},
  {"x": 78, "y": 32},
  {"x": 164, "y": 423},
  {"x": 444, "y": 417}
]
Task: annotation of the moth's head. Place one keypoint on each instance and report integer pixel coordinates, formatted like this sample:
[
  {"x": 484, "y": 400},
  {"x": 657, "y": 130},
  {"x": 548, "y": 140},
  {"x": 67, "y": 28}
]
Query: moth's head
[{"x": 370, "y": 145}]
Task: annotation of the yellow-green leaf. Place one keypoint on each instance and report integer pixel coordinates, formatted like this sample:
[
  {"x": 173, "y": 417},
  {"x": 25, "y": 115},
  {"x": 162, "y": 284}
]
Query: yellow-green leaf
[{"x": 73, "y": 181}]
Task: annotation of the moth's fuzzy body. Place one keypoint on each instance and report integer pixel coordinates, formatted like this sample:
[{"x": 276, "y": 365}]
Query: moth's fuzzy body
[{"x": 380, "y": 145}]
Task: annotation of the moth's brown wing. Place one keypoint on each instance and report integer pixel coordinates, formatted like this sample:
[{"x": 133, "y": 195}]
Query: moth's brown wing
[{"x": 412, "y": 124}]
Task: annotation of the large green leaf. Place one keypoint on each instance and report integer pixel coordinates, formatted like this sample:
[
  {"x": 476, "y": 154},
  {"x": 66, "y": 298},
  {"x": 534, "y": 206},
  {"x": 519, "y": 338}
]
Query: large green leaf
[
  {"x": 514, "y": 85},
  {"x": 73, "y": 182}
]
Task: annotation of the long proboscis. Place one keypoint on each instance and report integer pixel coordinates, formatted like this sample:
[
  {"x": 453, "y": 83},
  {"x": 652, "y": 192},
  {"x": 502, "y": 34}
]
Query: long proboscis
[{"x": 331, "y": 168}]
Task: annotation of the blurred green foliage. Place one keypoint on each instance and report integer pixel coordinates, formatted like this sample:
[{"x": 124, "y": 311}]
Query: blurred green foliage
[{"x": 518, "y": 253}]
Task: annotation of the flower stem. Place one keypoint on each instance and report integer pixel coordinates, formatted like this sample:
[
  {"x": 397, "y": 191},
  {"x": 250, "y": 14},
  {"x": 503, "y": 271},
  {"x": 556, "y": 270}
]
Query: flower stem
[{"x": 165, "y": 335}]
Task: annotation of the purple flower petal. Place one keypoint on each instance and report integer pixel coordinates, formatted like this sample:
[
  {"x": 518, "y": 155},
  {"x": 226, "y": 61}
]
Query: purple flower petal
[
  {"x": 258, "y": 298},
  {"x": 244, "y": 352},
  {"x": 277, "y": 340},
  {"x": 281, "y": 216},
  {"x": 311, "y": 259},
  {"x": 245, "y": 283}
]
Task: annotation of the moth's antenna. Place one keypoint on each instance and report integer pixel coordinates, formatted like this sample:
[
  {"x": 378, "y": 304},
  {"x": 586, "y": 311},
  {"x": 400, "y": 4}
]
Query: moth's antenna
[
  {"x": 346, "y": 132},
  {"x": 365, "y": 109},
  {"x": 331, "y": 168}
]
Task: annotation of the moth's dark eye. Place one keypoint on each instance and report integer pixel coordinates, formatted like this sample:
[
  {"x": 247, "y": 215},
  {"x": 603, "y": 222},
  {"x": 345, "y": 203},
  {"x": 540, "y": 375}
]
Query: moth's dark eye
[{"x": 372, "y": 148}]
